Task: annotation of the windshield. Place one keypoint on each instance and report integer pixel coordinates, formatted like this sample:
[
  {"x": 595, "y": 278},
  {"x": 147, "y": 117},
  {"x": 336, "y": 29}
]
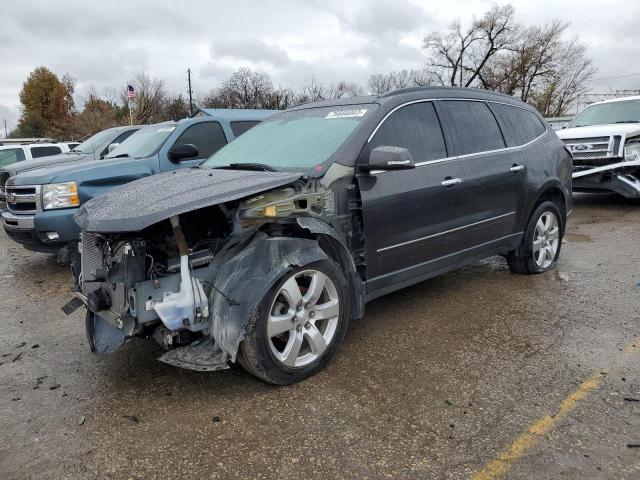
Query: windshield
[
  {"x": 145, "y": 142},
  {"x": 92, "y": 143},
  {"x": 627, "y": 111},
  {"x": 297, "y": 139}
]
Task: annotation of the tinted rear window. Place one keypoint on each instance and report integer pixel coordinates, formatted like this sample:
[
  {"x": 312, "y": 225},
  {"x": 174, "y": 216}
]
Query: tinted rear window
[
  {"x": 37, "y": 152},
  {"x": 518, "y": 125},
  {"x": 416, "y": 128},
  {"x": 470, "y": 127},
  {"x": 238, "y": 128}
]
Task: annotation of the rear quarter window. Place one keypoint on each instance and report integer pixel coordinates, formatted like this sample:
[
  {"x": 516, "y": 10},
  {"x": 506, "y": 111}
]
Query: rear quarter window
[
  {"x": 37, "y": 152},
  {"x": 519, "y": 126},
  {"x": 238, "y": 128},
  {"x": 470, "y": 126}
]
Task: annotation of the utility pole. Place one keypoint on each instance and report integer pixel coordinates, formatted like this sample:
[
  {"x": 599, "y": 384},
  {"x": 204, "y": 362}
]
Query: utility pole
[
  {"x": 190, "y": 100},
  {"x": 5, "y": 129}
]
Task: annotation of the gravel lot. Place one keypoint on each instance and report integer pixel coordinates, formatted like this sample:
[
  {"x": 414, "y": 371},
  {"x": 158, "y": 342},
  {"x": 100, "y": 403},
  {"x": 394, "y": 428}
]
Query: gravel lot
[{"x": 438, "y": 381}]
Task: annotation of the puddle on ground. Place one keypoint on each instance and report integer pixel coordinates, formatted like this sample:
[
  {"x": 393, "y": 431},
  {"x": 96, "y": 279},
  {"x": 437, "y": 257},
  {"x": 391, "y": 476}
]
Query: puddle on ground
[{"x": 577, "y": 237}]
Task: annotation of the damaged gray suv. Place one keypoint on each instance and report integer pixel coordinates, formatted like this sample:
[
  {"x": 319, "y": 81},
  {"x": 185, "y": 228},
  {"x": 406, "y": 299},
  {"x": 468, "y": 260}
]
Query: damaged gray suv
[{"x": 265, "y": 252}]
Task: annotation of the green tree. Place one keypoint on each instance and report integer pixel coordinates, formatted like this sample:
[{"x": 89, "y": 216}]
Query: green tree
[{"x": 47, "y": 104}]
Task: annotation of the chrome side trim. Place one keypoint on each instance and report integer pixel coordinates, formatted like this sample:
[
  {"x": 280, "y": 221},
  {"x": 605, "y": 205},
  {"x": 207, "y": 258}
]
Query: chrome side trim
[
  {"x": 604, "y": 168},
  {"x": 384, "y": 249},
  {"x": 456, "y": 157}
]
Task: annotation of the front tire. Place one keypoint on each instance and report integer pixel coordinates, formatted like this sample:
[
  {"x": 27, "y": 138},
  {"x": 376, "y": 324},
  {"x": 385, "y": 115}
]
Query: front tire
[
  {"x": 299, "y": 325},
  {"x": 540, "y": 247}
]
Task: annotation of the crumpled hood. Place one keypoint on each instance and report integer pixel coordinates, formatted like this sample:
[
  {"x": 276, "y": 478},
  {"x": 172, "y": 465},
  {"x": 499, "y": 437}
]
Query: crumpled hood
[
  {"x": 142, "y": 203},
  {"x": 35, "y": 163},
  {"x": 622, "y": 129}
]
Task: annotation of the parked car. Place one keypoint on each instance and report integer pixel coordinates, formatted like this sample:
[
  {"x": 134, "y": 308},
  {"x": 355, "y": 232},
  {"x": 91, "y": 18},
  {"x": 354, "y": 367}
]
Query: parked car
[
  {"x": 94, "y": 148},
  {"x": 264, "y": 253},
  {"x": 41, "y": 202},
  {"x": 604, "y": 140},
  {"x": 10, "y": 154}
]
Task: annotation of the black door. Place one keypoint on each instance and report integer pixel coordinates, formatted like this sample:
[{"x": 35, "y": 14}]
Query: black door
[
  {"x": 495, "y": 187},
  {"x": 411, "y": 217}
]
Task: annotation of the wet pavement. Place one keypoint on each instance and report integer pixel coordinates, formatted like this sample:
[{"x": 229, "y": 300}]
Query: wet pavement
[{"x": 478, "y": 372}]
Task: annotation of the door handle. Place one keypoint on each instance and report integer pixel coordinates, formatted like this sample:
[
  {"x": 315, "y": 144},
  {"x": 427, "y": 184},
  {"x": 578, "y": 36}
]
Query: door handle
[
  {"x": 450, "y": 182},
  {"x": 517, "y": 168}
]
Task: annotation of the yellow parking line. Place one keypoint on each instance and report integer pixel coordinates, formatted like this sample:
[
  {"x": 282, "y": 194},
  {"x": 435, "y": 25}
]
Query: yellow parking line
[{"x": 503, "y": 462}]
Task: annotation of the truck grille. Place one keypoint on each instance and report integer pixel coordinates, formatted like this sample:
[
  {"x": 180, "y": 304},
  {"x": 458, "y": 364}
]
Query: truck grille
[
  {"x": 591, "y": 151},
  {"x": 4, "y": 176},
  {"x": 23, "y": 198},
  {"x": 92, "y": 259}
]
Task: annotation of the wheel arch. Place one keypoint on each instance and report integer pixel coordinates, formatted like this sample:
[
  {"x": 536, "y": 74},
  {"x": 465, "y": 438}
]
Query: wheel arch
[
  {"x": 551, "y": 191},
  {"x": 333, "y": 245}
]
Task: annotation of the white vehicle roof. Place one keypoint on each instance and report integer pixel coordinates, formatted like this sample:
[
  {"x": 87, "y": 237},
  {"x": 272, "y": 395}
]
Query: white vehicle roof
[
  {"x": 22, "y": 145},
  {"x": 613, "y": 100}
]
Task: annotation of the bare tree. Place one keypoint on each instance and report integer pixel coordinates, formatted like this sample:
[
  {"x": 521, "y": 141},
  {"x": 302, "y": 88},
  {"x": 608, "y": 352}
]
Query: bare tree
[
  {"x": 381, "y": 83},
  {"x": 534, "y": 63},
  {"x": 245, "y": 88},
  {"x": 459, "y": 56},
  {"x": 148, "y": 104},
  {"x": 542, "y": 69}
]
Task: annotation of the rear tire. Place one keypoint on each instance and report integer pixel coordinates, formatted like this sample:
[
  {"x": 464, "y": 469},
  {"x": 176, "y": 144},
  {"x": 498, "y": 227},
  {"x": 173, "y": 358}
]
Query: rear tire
[
  {"x": 541, "y": 244},
  {"x": 299, "y": 325}
]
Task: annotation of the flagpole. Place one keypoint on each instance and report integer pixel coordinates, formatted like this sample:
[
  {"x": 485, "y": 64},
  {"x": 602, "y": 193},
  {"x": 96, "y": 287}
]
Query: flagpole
[{"x": 129, "y": 105}]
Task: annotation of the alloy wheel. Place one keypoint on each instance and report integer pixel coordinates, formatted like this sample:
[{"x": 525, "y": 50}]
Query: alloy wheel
[
  {"x": 303, "y": 318},
  {"x": 546, "y": 240}
]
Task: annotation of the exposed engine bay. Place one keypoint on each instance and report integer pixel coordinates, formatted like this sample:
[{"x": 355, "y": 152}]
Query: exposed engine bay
[
  {"x": 193, "y": 280},
  {"x": 156, "y": 275}
]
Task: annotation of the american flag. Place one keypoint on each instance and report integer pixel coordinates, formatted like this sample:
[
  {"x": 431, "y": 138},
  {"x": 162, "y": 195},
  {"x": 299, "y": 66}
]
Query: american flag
[{"x": 131, "y": 92}]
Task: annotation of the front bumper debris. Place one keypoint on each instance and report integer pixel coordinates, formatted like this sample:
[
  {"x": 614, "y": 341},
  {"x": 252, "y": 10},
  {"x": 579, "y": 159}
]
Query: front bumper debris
[
  {"x": 616, "y": 177},
  {"x": 605, "y": 168}
]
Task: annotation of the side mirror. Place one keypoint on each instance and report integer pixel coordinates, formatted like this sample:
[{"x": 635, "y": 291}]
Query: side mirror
[
  {"x": 112, "y": 147},
  {"x": 183, "y": 152},
  {"x": 389, "y": 158}
]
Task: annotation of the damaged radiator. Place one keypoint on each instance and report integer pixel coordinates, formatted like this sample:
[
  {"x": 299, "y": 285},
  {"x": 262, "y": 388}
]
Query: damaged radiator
[{"x": 93, "y": 269}]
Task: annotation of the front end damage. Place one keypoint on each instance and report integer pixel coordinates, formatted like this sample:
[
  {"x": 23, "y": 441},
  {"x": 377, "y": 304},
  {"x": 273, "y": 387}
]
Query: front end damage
[
  {"x": 609, "y": 163},
  {"x": 192, "y": 281},
  {"x": 622, "y": 177}
]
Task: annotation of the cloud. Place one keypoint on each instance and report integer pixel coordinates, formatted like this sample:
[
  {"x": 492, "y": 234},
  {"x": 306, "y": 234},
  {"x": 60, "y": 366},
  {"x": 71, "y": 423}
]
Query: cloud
[
  {"x": 10, "y": 116},
  {"x": 106, "y": 43},
  {"x": 252, "y": 49}
]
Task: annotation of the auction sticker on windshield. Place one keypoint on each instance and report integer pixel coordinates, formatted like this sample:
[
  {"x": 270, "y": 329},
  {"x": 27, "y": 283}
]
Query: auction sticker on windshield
[{"x": 347, "y": 113}]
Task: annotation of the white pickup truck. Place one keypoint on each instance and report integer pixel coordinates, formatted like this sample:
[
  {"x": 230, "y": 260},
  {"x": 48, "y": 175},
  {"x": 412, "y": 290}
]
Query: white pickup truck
[{"x": 604, "y": 140}]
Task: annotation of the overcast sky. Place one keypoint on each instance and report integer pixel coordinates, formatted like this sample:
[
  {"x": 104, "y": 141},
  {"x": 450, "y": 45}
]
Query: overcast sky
[{"x": 104, "y": 43}]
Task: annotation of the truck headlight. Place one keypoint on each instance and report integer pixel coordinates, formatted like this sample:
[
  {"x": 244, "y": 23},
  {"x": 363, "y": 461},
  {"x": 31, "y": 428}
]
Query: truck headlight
[
  {"x": 631, "y": 151},
  {"x": 60, "y": 195}
]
